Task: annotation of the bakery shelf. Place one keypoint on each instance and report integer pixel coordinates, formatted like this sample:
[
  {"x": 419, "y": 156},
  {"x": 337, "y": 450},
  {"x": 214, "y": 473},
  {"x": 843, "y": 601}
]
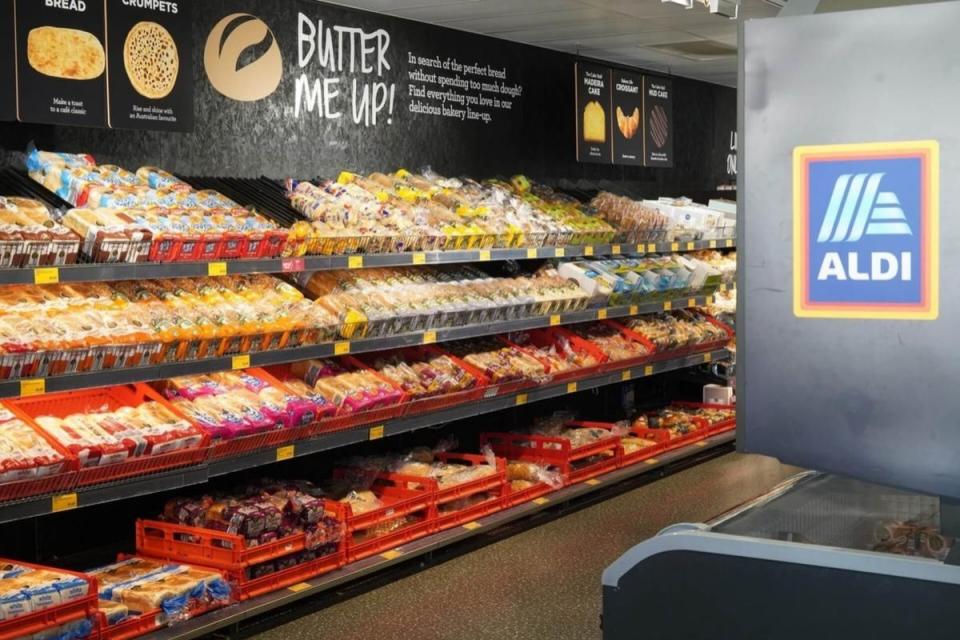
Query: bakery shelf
[
  {"x": 87, "y": 272},
  {"x": 33, "y": 386},
  {"x": 336, "y": 580},
  {"x": 155, "y": 483}
]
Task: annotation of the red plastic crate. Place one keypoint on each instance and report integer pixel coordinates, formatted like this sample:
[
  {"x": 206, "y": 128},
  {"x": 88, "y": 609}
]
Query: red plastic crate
[
  {"x": 554, "y": 336},
  {"x": 246, "y": 588},
  {"x": 494, "y": 484},
  {"x": 557, "y": 452},
  {"x": 526, "y": 495},
  {"x": 136, "y": 626},
  {"x": 427, "y": 404},
  {"x": 717, "y": 427},
  {"x": 401, "y": 496},
  {"x": 663, "y": 436},
  {"x": 25, "y": 626},
  {"x": 68, "y": 403},
  {"x": 703, "y": 347},
  {"x": 55, "y": 483},
  {"x": 616, "y": 365}
]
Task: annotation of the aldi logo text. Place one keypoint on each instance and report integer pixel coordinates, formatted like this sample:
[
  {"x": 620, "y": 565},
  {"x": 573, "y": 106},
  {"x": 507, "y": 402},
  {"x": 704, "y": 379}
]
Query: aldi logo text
[{"x": 865, "y": 230}]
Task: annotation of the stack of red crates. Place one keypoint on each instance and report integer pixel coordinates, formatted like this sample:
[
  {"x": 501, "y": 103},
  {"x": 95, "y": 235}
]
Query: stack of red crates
[{"x": 45, "y": 619}]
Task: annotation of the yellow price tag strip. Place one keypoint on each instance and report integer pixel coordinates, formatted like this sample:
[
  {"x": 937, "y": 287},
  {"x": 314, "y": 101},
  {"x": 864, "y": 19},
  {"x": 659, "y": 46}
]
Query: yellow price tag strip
[
  {"x": 729, "y": 243},
  {"x": 648, "y": 370},
  {"x": 701, "y": 443},
  {"x": 300, "y": 586},
  {"x": 713, "y": 244},
  {"x": 46, "y": 275},
  {"x": 63, "y": 502},
  {"x": 571, "y": 387},
  {"x": 651, "y": 248},
  {"x": 559, "y": 252},
  {"x": 531, "y": 254},
  {"x": 602, "y": 314},
  {"x": 690, "y": 246},
  {"x": 33, "y": 387},
  {"x": 634, "y": 309},
  {"x": 588, "y": 250},
  {"x": 419, "y": 258},
  {"x": 216, "y": 269},
  {"x": 723, "y": 287},
  {"x": 554, "y": 320},
  {"x": 625, "y": 375},
  {"x": 341, "y": 348},
  {"x": 540, "y": 501},
  {"x": 393, "y": 554},
  {"x": 355, "y": 262},
  {"x": 667, "y": 305},
  {"x": 429, "y": 337},
  {"x": 592, "y": 482},
  {"x": 692, "y": 302},
  {"x": 471, "y": 526},
  {"x": 376, "y": 432},
  {"x": 484, "y": 255},
  {"x": 674, "y": 246},
  {"x": 615, "y": 249},
  {"x": 285, "y": 453},
  {"x": 521, "y": 399},
  {"x": 707, "y": 357},
  {"x": 650, "y": 461},
  {"x": 240, "y": 362}
]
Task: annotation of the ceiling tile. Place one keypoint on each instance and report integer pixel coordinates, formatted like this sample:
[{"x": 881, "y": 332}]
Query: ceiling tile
[
  {"x": 505, "y": 23},
  {"x": 474, "y": 10}
]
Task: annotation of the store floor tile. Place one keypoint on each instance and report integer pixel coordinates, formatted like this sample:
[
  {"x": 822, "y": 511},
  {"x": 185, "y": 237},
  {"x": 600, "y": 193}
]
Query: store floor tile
[{"x": 542, "y": 583}]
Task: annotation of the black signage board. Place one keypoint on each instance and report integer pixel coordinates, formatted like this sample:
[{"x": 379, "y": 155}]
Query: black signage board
[
  {"x": 658, "y": 121},
  {"x": 8, "y": 71},
  {"x": 61, "y": 62},
  {"x": 593, "y": 113},
  {"x": 627, "y": 123},
  {"x": 150, "y": 65}
]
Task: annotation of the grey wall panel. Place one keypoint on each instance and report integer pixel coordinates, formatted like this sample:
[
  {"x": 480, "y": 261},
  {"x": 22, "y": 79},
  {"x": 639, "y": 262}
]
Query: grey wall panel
[{"x": 875, "y": 399}]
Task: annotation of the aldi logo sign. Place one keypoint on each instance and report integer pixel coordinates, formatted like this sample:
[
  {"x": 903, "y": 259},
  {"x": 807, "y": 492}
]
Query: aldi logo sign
[{"x": 865, "y": 231}]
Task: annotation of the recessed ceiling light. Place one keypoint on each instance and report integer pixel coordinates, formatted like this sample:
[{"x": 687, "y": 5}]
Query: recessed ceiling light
[{"x": 686, "y": 4}]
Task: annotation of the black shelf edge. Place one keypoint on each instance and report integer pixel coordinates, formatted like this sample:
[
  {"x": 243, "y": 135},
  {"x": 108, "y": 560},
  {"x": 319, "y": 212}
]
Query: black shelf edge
[
  {"x": 111, "y": 272},
  {"x": 184, "y": 477},
  {"x": 15, "y": 388},
  {"x": 214, "y": 621}
]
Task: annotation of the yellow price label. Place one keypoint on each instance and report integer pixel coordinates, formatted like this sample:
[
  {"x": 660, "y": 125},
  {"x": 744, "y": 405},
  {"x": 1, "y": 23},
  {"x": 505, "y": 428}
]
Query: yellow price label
[
  {"x": 692, "y": 302},
  {"x": 355, "y": 262},
  {"x": 648, "y": 370},
  {"x": 592, "y": 482},
  {"x": 707, "y": 357},
  {"x": 471, "y": 526},
  {"x": 484, "y": 255},
  {"x": 300, "y": 586},
  {"x": 531, "y": 254},
  {"x": 729, "y": 243},
  {"x": 674, "y": 246},
  {"x": 521, "y": 399},
  {"x": 690, "y": 246},
  {"x": 708, "y": 300},
  {"x": 602, "y": 314},
  {"x": 559, "y": 252},
  {"x": 701, "y": 443},
  {"x": 554, "y": 320},
  {"x": 615, "y": 249},
  {"x": 588, "y": 250},
  {"x": 667, "y": 305},
  {"x": 713, "y": 244},
  {"x": 723, "y": 287},
  {"x": 419, "y": 258},
  {"x": 240, "y": 362},
  {"x": 634, "y": 309},
  {"x": 376, "y": 432},
  {"x": 429, "y": 337},
  {"x": 285, "y": 453},
  {"x": 651, "y": 248},
  {"x": 650, "y": 461},
  {"x": 46, "y": 275},
  {"x": 641, "y": 248},
  {"x": 341, "y": 348},
  {"x": 540, "y": 501},
  {"x": 216, "y": 269},
  {"x": 625, "y": 375},
  {"x": 393, "y": 554},
  {"x": 571, "y": 387},
  {"x": 33, "y": 387},
  {"x": 63, "y": 502}
]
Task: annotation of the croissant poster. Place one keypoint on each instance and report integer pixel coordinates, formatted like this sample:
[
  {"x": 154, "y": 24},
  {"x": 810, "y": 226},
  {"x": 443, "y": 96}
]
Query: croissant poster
[
  {"x": 8, "y": 97},
  {"x": 658, "y": 121},
  {"x": 626, "y": 104},
  {"x": 592, "y": 112}
]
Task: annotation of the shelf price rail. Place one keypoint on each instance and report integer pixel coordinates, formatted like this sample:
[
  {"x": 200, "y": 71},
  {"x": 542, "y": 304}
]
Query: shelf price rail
[
  {"x": 187, "y": 476},
  {"x": 34, "y": 386}
]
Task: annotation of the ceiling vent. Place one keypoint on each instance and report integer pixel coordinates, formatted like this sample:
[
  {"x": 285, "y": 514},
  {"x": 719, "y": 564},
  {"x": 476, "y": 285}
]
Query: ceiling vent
[{"x": 699, "y": 50}]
